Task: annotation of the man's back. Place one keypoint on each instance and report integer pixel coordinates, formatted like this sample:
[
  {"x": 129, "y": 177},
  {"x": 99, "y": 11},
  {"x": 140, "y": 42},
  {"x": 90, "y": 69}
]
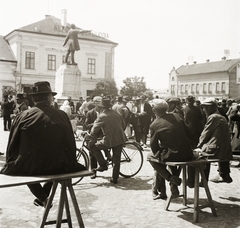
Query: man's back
[
  {"x": 170, "y": 132},
  {"x": 215, "y": 137},
  {"x": 41, "y": 142},
  {"x": 193, "y": 117},
  {"x": 112, "y": 126}
]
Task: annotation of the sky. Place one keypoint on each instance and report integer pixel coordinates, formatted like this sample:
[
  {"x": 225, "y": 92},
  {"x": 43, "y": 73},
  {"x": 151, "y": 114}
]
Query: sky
[{"x": 153, "y": 36}]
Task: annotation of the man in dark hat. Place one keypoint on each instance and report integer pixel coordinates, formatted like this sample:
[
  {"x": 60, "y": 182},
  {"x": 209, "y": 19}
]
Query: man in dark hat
[
  {"x": 72, "y": 41},
  {"x": 41, "y": 142},
  {"x": 112, "y": 126}
]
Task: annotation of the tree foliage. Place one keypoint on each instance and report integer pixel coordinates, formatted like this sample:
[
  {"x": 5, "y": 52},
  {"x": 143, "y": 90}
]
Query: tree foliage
[
  {"x": 134, "y": 86},
  {"x": 105, "y": 87}
]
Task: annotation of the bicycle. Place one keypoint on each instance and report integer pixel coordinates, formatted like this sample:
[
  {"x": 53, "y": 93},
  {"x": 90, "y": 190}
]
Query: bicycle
[{"x": 130, "y": 164}]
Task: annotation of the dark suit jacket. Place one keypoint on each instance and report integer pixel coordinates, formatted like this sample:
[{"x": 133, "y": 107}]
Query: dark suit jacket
[
  {"x": 215, "y": 137},
  {"x": 112, "y": 125},
  {"x": 169, "y": 131},
  {"x": 145, "y": 119},
  {"x": 41, "y": 142},
  {"x": 91, "y": 116}
]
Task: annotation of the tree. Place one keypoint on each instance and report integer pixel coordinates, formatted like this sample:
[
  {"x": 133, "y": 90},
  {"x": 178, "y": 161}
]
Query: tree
[
  {"x": 105, "y": 87},
  {"x": 134, "y": 86}
]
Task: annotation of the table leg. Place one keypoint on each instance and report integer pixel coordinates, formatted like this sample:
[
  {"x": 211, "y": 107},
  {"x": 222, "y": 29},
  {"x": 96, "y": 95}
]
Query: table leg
[
  {"x": 61, "y": 204},
  {"x": 196, "y": 194},
  {"x": 68, "y": 212},
  {"x": 50, "y": 199},
  {"x": 75, "y": 204},
  {"x": 205, "y": 184},
  {"x": 184, "y": 185}
]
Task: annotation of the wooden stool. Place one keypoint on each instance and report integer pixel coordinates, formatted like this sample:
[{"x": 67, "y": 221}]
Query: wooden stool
[{"x": 198, "y": 166}]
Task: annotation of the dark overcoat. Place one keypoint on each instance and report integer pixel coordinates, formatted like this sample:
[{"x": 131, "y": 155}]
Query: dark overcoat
[
  {"x": 41, "y": 142},
  {"x": 215, "y": 137},
  {"x": 170, "y": 132}
]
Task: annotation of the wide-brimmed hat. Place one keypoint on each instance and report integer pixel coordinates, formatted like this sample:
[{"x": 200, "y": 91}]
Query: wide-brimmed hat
[
  {"x": 106, "y": 103},
  {"x": 209, "y": 101},
  {"x": 19, "y": 96},
  {"x": 42, "y": 88}
]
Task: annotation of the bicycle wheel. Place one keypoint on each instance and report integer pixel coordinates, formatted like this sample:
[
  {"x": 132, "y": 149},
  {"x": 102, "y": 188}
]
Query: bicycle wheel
[
  {"x": 131, "y": 159},
  {"x": 82, "y": 158}
]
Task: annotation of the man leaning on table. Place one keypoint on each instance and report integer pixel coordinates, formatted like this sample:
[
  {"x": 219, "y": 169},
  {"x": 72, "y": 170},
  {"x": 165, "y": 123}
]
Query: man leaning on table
[{"x": 215, "y": 142}]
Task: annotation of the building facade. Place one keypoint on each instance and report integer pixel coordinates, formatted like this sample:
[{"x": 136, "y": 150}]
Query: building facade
[
  {"x": 220, "y": 79},
  {"x": 37, "y": 53}
]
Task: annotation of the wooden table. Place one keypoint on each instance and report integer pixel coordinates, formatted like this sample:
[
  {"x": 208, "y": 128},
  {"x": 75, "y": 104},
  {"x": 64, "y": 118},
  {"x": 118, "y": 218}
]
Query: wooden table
[
  {"x": 65, "y": 181},
  {"x": 199, "y": 166}
]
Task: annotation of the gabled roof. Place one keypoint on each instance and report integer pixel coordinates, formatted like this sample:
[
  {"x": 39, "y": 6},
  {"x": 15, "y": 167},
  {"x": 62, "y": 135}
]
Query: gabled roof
[
  {"x": 52, "y": 26},
  {"x": 6, "y": 53},
  {"x": 208, "y": 67}
]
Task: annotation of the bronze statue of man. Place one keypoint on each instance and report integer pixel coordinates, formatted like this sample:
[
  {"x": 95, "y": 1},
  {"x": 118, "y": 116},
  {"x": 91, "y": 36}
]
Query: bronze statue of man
[{"x": 71, "y": 42}]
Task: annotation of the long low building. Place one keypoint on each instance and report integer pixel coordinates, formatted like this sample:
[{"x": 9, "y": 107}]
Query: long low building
[{"x": 220, "y": 79}]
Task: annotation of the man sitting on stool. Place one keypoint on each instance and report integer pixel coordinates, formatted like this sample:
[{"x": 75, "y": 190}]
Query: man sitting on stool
[
  {"x": 112, "y": 125},
  {"x": 169, "y": 142}
]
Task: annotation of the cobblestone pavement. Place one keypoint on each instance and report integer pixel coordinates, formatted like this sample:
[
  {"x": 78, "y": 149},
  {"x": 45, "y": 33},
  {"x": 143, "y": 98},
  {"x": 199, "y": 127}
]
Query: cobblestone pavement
[{"x": 127, "y": 204}]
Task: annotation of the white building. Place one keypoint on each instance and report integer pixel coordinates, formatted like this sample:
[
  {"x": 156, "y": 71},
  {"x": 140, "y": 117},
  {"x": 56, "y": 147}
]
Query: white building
[
  {"x": 220, "y": 79},
  {"x": 34, "y": 53}
]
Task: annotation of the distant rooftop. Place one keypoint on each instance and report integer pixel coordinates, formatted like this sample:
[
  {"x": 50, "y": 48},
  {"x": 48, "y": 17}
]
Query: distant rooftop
[
  {"x": 51, "y": 25},
  {"x": 6, "y": 53},
  {"x": 207, "y": 67}
]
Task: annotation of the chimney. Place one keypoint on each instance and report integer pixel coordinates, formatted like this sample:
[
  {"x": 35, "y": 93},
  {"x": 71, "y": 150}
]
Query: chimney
[
  {"x": 208, "y": 60},
  {"x": 64, "y": 17}
]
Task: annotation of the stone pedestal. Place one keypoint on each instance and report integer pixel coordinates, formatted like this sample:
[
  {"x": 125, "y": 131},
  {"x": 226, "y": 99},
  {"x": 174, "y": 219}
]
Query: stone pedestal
[{"x": 68, "y": 82}]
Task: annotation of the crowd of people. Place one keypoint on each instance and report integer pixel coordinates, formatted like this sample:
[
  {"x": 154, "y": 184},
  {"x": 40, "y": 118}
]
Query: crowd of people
[{"x": 176, "y": 129}]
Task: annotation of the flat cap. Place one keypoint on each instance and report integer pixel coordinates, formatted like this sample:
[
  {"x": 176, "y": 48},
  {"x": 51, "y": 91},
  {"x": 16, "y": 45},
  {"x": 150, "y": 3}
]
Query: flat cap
[
  {"x": 209, "y": 101},
  {"x": 160, "y": 104},
  {"x": 171, "y": 99}
]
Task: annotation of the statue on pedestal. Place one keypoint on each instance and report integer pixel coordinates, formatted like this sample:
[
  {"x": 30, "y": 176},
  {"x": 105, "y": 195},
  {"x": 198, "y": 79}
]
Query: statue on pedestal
[{"x": 71, "y": 43}]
